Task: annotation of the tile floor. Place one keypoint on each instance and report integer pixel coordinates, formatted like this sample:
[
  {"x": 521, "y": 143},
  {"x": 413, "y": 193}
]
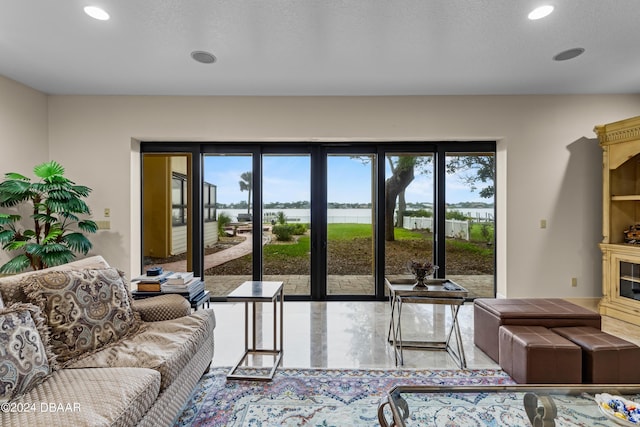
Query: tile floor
[{"x": 351, "y": 334}]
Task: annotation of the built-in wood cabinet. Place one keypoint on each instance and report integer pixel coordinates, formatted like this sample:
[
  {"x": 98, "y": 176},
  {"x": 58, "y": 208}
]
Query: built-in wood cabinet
[{"x": 620, "y": 142}]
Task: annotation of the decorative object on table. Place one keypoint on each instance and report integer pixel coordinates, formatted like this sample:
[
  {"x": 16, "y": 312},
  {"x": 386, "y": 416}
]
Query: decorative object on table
[
  {"x": 632, "y": 234},
  {"x": 420, "y": 270},
  {"x": 619, "y": 409},
  {"x": 56, "y": 204},
  {"x": 154, "y": 271}
]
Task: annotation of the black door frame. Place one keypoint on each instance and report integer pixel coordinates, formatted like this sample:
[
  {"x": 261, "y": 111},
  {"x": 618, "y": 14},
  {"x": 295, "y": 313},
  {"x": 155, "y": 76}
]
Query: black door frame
[{"x": 318, "y": 151}]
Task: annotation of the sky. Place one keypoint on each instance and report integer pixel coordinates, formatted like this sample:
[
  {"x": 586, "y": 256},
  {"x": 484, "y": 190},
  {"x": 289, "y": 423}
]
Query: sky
[{"x": 286, "y": 179}]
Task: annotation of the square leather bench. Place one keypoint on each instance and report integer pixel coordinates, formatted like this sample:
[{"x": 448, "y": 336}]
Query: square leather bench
[
  {"x": 490, "y": 313},
  {"x": 606, "y": 359},
  {"x": 536, "y": 355}
]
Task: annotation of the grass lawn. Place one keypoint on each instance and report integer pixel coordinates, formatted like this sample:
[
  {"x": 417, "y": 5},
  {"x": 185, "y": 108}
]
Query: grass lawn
[{"x": 350, "y": 251}]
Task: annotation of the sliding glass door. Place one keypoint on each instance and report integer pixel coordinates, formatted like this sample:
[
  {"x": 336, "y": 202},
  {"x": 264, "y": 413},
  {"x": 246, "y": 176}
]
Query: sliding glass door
[
  {"x": 350, "y": 224},
  {"x": 328, "y": 220},
  {"x": 410, "y": 226},
  {"x": 286, "y": 221}
]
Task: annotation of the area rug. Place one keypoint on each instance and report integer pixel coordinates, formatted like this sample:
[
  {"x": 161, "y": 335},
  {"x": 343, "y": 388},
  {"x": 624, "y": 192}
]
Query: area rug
[{"x": 312, "y": 397}]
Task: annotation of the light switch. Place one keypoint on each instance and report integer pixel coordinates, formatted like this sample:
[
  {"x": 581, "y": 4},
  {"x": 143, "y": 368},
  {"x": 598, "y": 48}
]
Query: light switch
[
  {"x": 107, "y": 212},
  {"x": 543, "y": 223}
]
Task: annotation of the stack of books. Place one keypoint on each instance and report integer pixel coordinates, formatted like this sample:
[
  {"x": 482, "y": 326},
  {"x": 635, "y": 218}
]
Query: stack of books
[
  {"x": 184, "y": 284},
  {"x": 152, "y": 282}
]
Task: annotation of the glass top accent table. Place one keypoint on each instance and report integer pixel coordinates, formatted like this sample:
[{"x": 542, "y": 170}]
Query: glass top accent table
[
  {"x": 506, "y": 405},
  {"x": 436, "y": 291},
  {"x": 251, "y": 293}
]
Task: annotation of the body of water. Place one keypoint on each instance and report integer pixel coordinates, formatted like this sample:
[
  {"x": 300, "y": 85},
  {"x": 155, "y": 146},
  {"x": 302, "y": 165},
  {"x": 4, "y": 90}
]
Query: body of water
[{"x": 351, "y": 216}]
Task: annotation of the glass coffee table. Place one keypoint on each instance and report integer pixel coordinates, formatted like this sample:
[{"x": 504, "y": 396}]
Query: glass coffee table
[{"x": 505, "y": 405}]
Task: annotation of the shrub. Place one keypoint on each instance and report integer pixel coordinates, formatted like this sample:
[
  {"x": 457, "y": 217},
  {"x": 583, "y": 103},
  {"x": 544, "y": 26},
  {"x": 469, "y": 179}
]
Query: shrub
[
  {"x": 456, "y": 215},
  {"x": 422, "y": 213},
  {"x": 223, "y": 221},
  {"x": 283, "y": 231}
]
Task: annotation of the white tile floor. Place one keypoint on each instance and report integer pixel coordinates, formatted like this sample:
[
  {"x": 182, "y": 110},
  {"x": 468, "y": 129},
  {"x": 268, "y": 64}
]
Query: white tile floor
[{"x": 346, "y": 335}]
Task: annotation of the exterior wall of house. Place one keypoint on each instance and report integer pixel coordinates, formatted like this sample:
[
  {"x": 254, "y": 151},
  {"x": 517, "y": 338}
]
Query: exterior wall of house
[{"x": 548, "y": 161}]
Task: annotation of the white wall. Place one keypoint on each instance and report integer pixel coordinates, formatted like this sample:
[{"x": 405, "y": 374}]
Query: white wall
[
  {"x": 23, "y": 132},
  {"x": 548, "y": 159}
]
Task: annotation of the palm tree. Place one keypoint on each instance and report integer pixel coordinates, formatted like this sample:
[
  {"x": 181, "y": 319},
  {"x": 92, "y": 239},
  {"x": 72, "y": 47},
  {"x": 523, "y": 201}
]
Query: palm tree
[
  {"x": 55, "y": 203},
  {"x": 246, "y": 184}
]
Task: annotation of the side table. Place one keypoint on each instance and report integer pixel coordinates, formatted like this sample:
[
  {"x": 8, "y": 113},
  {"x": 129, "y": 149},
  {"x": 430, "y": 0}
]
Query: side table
[
  {"x": 258, "y": 292},
  {"x": 437, "y": 292}
]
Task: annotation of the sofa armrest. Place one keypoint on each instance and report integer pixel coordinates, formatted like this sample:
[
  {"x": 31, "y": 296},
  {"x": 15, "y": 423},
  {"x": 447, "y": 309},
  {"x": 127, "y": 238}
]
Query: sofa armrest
[{"x": 162, "y": 307}]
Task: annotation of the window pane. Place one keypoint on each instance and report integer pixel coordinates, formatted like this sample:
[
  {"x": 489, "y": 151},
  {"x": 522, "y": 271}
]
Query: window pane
[
  {"x": 228, "y": 251},
  {"x": 470, "y": 222},
  {"x": 409, "y": 223},
  {"x": 350, "y": 224}
]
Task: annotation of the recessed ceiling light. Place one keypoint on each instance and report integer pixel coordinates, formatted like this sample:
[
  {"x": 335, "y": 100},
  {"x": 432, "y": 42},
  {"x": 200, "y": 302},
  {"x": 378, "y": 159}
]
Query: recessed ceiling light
[
  {"x": 96, "y": 13},
  {"x": 540, "y": 12},
  {"x": 203, "y": 57},
  {"x": 569, "y": 54}
]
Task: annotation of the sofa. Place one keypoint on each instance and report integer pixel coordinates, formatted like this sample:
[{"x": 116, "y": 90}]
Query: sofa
[{"x": 77, "y": 350}]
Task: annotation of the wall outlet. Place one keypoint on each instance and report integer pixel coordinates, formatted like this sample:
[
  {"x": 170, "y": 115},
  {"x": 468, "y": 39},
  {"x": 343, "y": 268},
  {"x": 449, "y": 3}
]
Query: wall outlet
[
  {"x": 103, "y": 225},
  {"x": 574, "y": 282}
]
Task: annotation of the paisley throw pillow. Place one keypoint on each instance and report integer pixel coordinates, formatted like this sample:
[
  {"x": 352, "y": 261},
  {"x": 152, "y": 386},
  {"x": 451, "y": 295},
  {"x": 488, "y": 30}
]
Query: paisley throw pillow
[
  {"x": 25, "y": 357},
  {"x": 85, "y": 309}
]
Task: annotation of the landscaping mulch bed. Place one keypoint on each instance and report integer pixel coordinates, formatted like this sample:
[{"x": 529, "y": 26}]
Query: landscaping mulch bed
[{"x": 355, "y": 257}]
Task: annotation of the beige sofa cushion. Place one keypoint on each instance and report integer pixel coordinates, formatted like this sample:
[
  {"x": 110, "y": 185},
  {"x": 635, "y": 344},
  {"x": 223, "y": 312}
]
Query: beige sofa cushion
[
  {"x": 25, "y": 356},
  {"x": 85, "y": 309},
  {"x": 165, "y": 346},
  {"x": 11, "y": 286},
  {"x": 87, "y": 397}
]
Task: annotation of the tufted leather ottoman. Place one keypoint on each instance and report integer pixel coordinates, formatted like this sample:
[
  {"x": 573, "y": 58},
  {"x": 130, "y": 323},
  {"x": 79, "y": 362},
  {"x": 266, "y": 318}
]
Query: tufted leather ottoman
[
  {"x": 536, "y": 355},
  {"x": 605, "y": 359},
  {"x": 490, "y": 313}
]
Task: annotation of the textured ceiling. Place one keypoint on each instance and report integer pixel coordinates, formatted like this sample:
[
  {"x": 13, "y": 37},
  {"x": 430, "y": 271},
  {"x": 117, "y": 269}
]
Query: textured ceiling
[{"x": 321, "y": 47}]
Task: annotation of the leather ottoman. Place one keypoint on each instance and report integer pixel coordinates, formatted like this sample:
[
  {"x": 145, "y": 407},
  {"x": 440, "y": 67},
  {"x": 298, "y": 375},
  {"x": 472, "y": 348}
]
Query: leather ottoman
[
  {"x": 536, "y": 355},
  {"x": 605, "y": 359},
  {"x": 490, "y": 313}
]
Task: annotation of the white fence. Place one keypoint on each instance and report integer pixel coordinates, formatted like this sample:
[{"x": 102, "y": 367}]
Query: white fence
[{"x": 452, "y": 227}]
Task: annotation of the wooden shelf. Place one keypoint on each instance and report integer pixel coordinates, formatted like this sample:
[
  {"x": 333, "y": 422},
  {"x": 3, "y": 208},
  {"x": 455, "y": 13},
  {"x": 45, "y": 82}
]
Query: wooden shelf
[
  {"x": 631, "y": 197},
  {"x": 620, "y": 142}
]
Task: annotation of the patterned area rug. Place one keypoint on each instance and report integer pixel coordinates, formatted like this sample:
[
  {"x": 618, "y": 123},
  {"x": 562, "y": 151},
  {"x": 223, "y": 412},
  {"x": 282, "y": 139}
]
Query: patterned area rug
[{"x": 312, "y": 397}]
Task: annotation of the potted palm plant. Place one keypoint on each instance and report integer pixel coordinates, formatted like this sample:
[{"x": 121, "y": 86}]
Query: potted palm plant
[{"x": 58, "y": 231}]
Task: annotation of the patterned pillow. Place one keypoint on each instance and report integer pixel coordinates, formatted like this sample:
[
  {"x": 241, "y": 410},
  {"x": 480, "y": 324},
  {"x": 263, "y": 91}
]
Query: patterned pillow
[
  {"x": 85, "y": 309},
  {"x": 25, "y": 357}
]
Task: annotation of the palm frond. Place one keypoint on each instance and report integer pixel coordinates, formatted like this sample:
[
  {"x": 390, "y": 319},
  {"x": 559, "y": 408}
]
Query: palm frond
[
  {"x": 44, "y": 218},
  {"x": 52, "y": 259},
  {"x": 48, "y": 169},
  {"x": 81, "y": 190},
  {"x": 14, "y": 175},
  {"x": 15, "y": 265},
  {"x": 9, "y": 218},
  {"x": 77, "y": 242},
  {"x": 6, "y": 236},
  {"x": 15, "y": 245},
  {"x": 88, "y": 226},
  {"x": 53, "y": 235},
  {"x": 69, "y": 216}
]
